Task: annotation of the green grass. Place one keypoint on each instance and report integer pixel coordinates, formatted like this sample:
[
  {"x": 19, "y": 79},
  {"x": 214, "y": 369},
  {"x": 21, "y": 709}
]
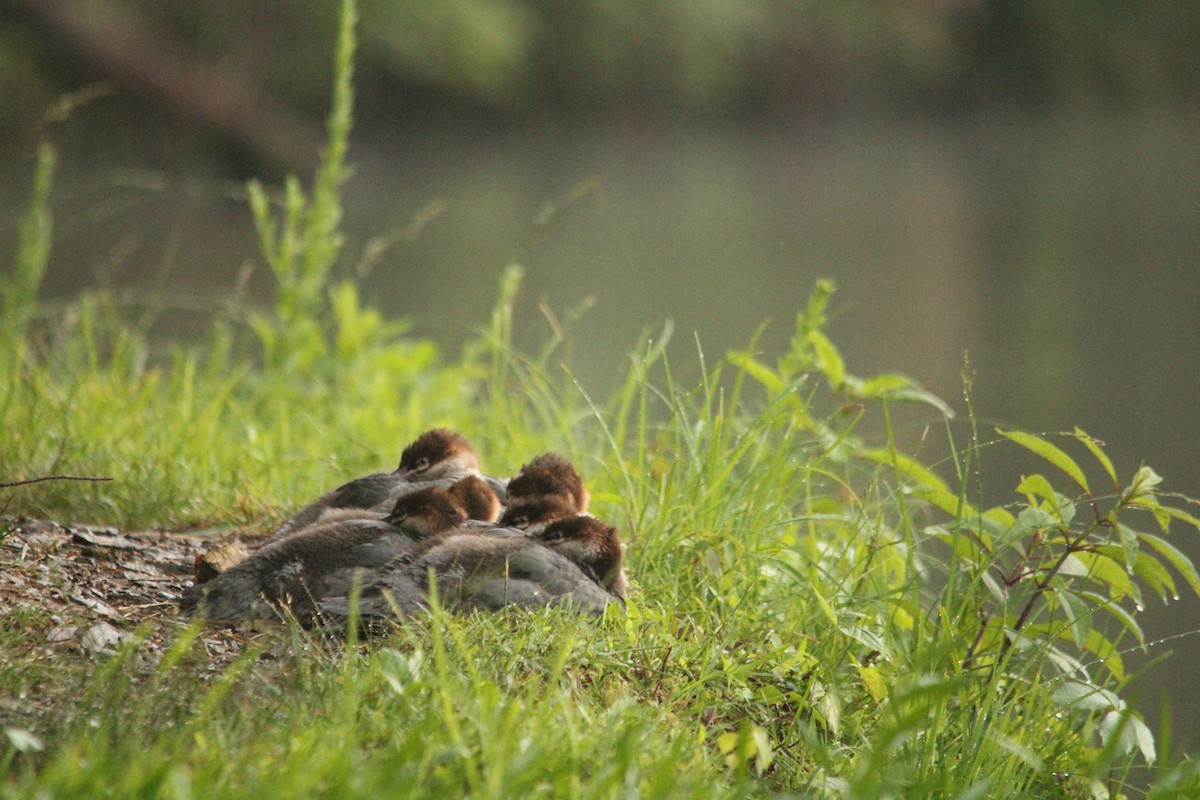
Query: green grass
[{"x": 813, "y": 611}]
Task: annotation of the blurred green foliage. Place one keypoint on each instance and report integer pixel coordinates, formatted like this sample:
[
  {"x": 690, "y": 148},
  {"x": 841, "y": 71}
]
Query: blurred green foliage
[{"x": 712, "y": 57}]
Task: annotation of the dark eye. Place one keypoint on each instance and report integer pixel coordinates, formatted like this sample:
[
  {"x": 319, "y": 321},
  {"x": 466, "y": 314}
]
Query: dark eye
[
  {"x": 421, "y": 465},
  {"x": 521, "y": 522},
  {"x": 399, "y": 516}
]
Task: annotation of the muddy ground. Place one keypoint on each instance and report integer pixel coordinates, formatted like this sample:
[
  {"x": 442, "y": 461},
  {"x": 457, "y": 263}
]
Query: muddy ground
[{"x": 71, "y": 594}]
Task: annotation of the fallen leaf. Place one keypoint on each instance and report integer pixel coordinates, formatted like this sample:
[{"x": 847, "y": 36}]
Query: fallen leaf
[
  {"x": 101, "y": 638},
  {"x": 63, "y": 633},
  {"x": 86, "y": 536}
]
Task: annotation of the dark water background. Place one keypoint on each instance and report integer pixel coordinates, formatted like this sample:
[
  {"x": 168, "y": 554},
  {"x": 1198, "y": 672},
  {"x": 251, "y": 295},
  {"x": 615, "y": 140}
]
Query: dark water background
[{"x": 1062, "y": 254}]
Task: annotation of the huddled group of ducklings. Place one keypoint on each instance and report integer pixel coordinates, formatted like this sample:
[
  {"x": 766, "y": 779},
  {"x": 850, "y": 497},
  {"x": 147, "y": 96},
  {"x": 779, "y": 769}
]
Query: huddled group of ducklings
[{"x": 383, "y": 543}]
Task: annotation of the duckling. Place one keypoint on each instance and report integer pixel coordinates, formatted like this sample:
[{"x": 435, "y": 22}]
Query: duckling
[
  {"x": 427, "y": 512},
  {"x": 477, "y": 498},
  {"x": 549, "y": 474},
  {"x": 533, "y": 514},
  {"x": 297, "y": 569},
  {"x": 474, "y": 495},
  {"x": 574, "y": 561},
  {"x": 593, "y": 545},
  {"x": 437, "y": 456}
]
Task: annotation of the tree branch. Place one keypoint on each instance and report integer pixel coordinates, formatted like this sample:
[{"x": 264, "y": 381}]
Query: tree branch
[
  {"x": 7, "y": 484},
  {"x": 128, "y": 48}
]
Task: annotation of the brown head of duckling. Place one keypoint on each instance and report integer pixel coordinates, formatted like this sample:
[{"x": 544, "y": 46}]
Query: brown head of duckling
[
  {"x": 427, "y": 512},
  {"x": 549, "y": 474},
  {"x": 476, "y": 498},
  {"x": 536, "y": 513},
  {"x": 439, "y": 453},
  {"x": 593, "y": 545}
]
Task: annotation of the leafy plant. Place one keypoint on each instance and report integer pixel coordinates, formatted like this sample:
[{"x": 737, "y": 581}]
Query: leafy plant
[
  {"x": 18, "y": 293},
  {"x": 987, "y": 604}
]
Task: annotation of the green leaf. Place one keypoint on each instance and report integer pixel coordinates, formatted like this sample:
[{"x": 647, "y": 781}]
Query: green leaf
[
  {"x": 1130, "y": 732},
  {"x": 1182, "y": 516},
  {"x": 1078, "y": 613},
  {"x": 759, "y": 371},
  {"x": 770, "y": 695},
  {"x": 931, "y": 488},
  {"x": 1028, "y": 521},
  {"x": 1164, "y": 514},
  {"x": 1143, "y": 483},
  {"x": 828, "y": 706},
  {"x": 962, "y": 544},
  {"x": 1182, "y": 564},
  {"x": 1129, "y": 542},
  {"x": 1018, "y": 749},
  {"x": 1049, "y": 452},
  {"x": 1064, "y": 508},
  {"x": 1093, "y": 444},
  {"x": 1107, "y": 652},
  {"x": 880, "y": 385},
  {"x": 1081, "y": 696},
  {"x": 814, "y": 316},
  {"x": 1065, "y": 663},
  {"x": 1102, "y": 569},
  {"x": 1145, "y": 740},
  {"x": 762, "y": 750},
  {"x": 943, "y": 499},
  {"x": 712, "y": 560},
  {"x": 868, "y": 639},
  {"x": 1036, "y": 485},
  {"x": 896, "y": 387},
  {"x": 1095, "y": 642},
  {"x": 907, "y": 467},
  {"x": 1059, "y": 505},
  {"x": 1147, "y": 568},
  {"x": 826, "y": 609},
  {"x": 997, "y": 519},
  {"x": 873, "y": 680},
  {"x": 1116, "y": 610},
  {"x": 1153, "y": 573},
  {"x": 829, "y": 360},
  {"x": 992, "y": 585},
  {"x": 1150, "y": 503}
]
